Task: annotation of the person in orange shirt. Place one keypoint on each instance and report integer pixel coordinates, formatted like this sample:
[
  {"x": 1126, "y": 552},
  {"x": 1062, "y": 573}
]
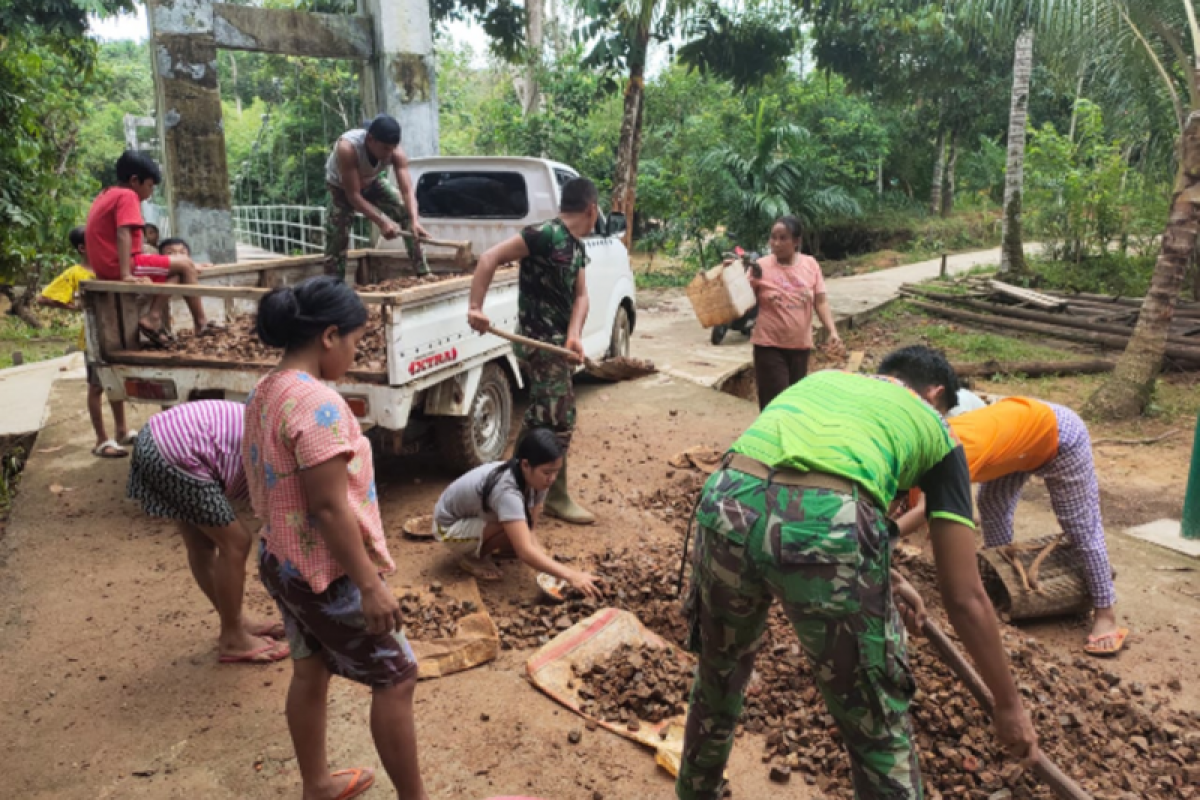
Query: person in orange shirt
[{"x": 1005, "y": 444}]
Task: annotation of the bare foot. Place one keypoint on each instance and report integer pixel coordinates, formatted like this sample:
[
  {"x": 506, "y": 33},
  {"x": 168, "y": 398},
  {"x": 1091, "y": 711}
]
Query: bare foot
[
  {"x": 482, "y": 568},
  {"x": 241, "y": 644}
]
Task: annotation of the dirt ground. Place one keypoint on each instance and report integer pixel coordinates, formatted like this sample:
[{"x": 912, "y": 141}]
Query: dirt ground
[{"x": 111, "y": 686}]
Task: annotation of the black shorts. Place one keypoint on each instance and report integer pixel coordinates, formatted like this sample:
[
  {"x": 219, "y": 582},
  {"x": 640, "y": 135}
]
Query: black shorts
[{"x": 330, "y": 624}]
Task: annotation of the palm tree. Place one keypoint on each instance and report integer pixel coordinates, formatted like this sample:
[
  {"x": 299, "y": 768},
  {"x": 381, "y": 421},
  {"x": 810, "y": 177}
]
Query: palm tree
[
  {"x": 772, "y": 180},
  {"x": 1012, "y": 249}
]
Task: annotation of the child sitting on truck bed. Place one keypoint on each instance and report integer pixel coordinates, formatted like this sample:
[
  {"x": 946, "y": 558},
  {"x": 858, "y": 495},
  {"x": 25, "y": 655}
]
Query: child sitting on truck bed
[
  {"x": 62, "y": 292},
  {"x": 494, "y": 508},
  {"x": 115, "y": 229}
]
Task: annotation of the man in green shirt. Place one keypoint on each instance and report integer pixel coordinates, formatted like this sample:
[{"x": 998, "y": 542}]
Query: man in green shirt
[
  {"x": 552, "y": 307},
  {"x": 797, "y": 514}
]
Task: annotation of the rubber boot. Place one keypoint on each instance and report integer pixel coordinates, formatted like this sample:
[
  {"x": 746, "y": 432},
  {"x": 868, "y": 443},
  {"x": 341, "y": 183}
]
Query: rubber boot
[{"x": 560, "y": 505}]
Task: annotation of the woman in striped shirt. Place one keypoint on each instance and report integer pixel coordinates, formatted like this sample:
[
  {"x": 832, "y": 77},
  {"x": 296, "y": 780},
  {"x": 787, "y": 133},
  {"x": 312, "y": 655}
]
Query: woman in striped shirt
[{"x": 187, "y": 466}]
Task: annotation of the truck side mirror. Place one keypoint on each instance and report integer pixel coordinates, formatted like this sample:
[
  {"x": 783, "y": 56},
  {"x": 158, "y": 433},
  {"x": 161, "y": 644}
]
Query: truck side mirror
[{"x": 616, "y": 223}]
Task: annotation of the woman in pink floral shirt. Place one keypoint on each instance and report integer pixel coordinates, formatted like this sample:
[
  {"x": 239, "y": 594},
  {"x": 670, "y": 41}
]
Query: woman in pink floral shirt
[{"x": 323, "y": 554}]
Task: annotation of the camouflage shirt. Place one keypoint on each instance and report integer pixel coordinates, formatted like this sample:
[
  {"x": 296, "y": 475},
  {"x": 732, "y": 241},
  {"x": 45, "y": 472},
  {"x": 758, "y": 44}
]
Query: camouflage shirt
[{"x": 547, "y": 280}]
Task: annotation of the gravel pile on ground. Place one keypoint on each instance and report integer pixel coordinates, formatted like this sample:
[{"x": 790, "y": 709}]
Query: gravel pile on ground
[
  {"x": 432, "y": 615},
  {"x": 635, "y": 683}
]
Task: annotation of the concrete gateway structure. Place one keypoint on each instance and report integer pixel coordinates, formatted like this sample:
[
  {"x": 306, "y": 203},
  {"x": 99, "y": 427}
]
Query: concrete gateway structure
[{"x": 393, "y": 39}]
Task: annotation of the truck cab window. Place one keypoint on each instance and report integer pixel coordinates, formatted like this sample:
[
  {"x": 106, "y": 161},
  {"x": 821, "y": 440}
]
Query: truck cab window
[{"x": 477, "y": 195}]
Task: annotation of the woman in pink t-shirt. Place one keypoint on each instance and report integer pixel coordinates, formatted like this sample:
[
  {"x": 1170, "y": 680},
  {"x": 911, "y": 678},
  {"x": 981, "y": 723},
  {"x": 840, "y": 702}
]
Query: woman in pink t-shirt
[
  {"x": 789, "y": 285},
  {"x": 323, "y": 553}
]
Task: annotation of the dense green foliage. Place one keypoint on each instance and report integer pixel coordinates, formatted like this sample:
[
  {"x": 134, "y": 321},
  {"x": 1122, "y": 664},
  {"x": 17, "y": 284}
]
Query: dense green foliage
[{"x": 743, "y": 122}]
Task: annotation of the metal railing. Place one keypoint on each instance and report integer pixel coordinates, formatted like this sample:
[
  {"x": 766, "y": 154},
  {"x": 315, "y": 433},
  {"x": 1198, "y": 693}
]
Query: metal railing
[{"x": 290, "y": 230}]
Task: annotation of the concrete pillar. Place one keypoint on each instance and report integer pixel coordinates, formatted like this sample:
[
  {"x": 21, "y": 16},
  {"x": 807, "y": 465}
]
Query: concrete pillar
[
  {"x": 403, "y": 71},
  {"x": 190, "y": 129}
]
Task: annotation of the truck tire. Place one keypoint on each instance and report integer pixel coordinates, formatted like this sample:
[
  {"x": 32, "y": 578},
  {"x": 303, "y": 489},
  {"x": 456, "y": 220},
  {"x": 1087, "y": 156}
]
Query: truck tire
[
  {"x": 618, "y": 346},
  {"x": 482, "y": 435}
]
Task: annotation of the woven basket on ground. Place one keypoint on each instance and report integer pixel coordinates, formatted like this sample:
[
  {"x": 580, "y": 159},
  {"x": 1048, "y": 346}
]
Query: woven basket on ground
[{"x": 1039, "y": 578}]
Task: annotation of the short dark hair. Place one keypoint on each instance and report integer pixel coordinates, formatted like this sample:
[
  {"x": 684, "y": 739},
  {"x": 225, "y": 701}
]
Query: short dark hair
[
  {"x": 76, "y": 237},
  {"x": 292, "y": 316},
  {"x": 165, "y": 243},
  {"x": 921, "y": 368},
  {"x": 793, "y": 225},
  {"x": 133, "y": 164},
  {"x": 384, "y": 129},
  {"x": 577, "y": 195}
]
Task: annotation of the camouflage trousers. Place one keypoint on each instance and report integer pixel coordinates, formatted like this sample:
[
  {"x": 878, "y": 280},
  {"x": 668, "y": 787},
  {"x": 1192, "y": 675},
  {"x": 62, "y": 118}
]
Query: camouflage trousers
[
  {"x": 339, "y": 216},
  {"x": 551, "y": 394},
  {"x": 824, "y": 555}
]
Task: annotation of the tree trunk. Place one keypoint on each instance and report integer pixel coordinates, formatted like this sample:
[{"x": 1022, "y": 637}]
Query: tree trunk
[
  {"x": 624, "y": 184},
  {"x": 939, "y": 167},
  {"x": 1012, "y": 254},
  {"x": 534, "y": 19},
  {"x": 951, "y": 185},
  {"x": 1128, "y": 390}
]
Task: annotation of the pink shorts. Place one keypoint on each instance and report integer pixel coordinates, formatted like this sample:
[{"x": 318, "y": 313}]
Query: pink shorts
[{"x": 156, "y": 268}]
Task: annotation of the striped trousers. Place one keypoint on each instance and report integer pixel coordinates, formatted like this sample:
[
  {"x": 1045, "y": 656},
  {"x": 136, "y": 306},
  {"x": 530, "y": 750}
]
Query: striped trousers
[{"x": 1075, "y": 496}]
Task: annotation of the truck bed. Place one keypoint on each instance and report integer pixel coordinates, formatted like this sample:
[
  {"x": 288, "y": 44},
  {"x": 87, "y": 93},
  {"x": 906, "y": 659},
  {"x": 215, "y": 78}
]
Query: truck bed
[{"x": 432, "y": 315}]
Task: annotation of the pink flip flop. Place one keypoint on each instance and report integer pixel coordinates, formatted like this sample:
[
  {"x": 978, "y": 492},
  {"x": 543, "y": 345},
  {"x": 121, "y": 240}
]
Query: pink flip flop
[{"x": 267, "y": 654}]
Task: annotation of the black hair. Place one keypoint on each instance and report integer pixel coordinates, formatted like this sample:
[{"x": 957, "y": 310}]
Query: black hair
[
  {"x": 165, "y": 243},
  {"x": 539, "y": 446},
  {"x": 793, "y": 225},
  {"x": 577, "y": 195},
  {"x": 292, "y": 316},
  {"x": 133, "y": 164},
  {"x": 76, "y": 237},
  {"x": 384, "y": 129},
  {"x": 922, "y": 367}
]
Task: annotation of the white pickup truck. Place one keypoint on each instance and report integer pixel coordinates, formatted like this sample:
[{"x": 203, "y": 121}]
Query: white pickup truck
[{"x": 438, "y": 375}]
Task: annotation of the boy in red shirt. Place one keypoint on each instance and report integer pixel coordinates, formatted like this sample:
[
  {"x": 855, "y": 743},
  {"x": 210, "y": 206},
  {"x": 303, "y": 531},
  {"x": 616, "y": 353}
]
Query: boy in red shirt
[{"x": 114, "y": 242}]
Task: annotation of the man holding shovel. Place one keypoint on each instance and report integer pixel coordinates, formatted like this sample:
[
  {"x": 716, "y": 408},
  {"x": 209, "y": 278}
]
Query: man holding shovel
[
  {"x": 552, "y": 307},
  {"x": 797, "y": 514},
  {"x": 355, "y": 174}
]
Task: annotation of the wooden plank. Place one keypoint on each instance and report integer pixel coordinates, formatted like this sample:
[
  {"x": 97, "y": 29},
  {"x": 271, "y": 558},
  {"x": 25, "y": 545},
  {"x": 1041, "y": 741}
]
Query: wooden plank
[
  {"x": 201, "y": 290},
  {"x": 1029, "y": 296},
  {"x": 161, "y": 359}
]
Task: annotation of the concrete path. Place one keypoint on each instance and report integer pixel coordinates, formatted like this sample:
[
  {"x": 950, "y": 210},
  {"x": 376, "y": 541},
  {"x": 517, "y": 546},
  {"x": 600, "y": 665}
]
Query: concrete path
[
  {"x": 668, "y": 334},
  {"x": 24, "y": 391}
]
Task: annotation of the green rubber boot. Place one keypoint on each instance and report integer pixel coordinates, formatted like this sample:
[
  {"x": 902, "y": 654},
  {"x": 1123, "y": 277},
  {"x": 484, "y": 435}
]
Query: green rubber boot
[{"x": 560, "y": 505}]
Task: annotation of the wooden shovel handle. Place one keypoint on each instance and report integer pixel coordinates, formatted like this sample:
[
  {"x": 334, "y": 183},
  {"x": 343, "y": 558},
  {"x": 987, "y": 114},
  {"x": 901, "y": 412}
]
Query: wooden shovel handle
[
  {"x": 1045, "y": 769},
  {"x": 435, "y": 242},
  {"x": 534, "y": 343}
]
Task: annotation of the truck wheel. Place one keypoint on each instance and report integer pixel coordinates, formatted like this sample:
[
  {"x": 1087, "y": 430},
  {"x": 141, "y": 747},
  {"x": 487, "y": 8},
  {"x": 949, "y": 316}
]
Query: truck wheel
[
  {"x": 482, "y": 434},
  {"x": 618, "y": 346}
]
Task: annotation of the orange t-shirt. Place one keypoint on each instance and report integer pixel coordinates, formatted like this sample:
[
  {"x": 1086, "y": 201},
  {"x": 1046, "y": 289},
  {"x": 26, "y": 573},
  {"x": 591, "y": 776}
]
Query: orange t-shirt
[
  {"x": 1017, "y": 434},
  {"x": 785, "y": 302}
]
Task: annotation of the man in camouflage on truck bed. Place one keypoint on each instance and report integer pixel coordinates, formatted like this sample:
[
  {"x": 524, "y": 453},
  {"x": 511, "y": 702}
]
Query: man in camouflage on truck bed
[
  {"x": 797, "y": 514},
  {"x": 553, "y": 305}
]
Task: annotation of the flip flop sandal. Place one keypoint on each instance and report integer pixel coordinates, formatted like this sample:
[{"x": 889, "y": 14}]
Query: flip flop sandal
[
  {"x": 131, "y": 437},
  {"x": 362, "y": 780},
  {"x": 110, "y": 449},
  {"x": 210, "y": 329},
  {"x": 274, "y": 630},
  {"x": 1118, "y": 643},
  {"x": 267, "y": 654},
  {"x": 157, "y": 338}
]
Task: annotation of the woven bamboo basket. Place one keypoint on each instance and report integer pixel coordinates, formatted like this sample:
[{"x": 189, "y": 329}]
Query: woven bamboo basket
[
  {"x": 721, "y": 295},
  {"x": 1050, "y": 581}
]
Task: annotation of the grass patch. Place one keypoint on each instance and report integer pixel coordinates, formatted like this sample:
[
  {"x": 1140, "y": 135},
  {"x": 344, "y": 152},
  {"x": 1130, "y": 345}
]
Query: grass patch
[
  {"x": 1112, "y": 273},
  {"x": 60, "y": 334},
  {"x": 978, "y": 347}
]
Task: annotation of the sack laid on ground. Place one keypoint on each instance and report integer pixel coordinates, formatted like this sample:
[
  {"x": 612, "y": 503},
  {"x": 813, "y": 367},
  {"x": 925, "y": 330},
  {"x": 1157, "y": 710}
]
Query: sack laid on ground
[
  {"x": 449, "y": 629},
  {"x": 557, "y": 666}
]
